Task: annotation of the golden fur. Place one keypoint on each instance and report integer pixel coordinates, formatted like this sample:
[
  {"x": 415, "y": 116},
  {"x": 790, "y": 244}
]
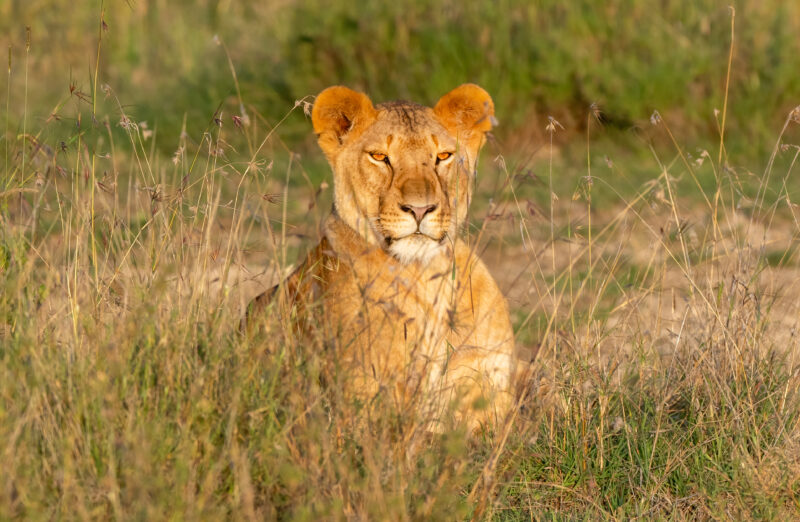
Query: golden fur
[{"x": 410, "y": 312}]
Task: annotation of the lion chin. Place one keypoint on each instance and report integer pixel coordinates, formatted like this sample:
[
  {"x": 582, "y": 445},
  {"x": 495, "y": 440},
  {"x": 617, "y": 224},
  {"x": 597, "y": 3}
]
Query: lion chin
[{"x": 416, "y": 248}]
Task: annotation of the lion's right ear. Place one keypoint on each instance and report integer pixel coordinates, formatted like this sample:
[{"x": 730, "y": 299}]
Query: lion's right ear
[
  {"x": 340, "y": 113},
  {"x": 467, "y": 112}
]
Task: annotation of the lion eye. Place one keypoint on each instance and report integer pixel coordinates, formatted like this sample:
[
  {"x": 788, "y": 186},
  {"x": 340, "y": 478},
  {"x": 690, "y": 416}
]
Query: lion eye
[
  {"x": 377, "y": 156},
  {"x": 443, "y": 156}
]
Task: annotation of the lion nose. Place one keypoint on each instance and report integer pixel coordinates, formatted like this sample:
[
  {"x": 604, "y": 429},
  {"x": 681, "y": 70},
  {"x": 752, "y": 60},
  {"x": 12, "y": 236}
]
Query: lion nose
[{"x": 419, "y": 212}]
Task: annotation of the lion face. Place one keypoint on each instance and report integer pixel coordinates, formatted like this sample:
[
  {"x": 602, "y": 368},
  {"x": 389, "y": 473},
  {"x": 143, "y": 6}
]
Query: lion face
[{"x": 403, "y": 173}]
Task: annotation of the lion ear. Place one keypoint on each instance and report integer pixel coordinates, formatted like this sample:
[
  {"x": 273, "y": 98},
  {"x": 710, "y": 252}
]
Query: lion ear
[
  {"x": 467, "y": 112},
  {"x": 340, "y": 112}
]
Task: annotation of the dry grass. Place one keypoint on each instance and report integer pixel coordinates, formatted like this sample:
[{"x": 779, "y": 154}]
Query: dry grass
[{"x": 665, "y": 323}]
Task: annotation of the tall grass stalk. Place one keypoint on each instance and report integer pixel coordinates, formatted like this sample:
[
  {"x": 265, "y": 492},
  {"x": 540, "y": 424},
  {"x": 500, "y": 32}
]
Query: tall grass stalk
[
  {"x": 6, "y": 136},
  {"x": 727, "y": 87},
  {"x": 100, "y": 28}
]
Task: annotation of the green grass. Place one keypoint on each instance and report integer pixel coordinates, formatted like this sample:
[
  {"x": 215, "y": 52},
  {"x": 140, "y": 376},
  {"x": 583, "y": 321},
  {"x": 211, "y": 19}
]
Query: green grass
[
  {"x": 629, "y": 56},
  {"x": 655, "y": 282}
]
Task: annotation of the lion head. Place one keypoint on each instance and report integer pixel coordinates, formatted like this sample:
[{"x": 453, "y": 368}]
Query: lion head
[{"x": 403, "y": 173}]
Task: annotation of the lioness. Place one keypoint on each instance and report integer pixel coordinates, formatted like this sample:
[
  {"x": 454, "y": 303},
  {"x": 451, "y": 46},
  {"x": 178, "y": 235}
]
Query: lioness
[{"x": 411, "y": 314}]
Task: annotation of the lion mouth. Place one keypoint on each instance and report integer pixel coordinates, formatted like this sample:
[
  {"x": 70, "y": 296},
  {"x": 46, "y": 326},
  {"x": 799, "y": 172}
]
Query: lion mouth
[
  {"x": 416, "y": 247},
  {"x": 415, "y": 235}
]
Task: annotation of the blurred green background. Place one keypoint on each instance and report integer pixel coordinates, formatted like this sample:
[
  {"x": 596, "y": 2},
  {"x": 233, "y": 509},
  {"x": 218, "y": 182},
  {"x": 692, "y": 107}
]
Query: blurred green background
[{"x": 168, "y": 62}]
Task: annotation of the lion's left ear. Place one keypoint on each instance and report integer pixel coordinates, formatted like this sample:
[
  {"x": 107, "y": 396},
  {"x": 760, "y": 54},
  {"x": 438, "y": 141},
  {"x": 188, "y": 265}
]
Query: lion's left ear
[
  {"x": 340, "y": 114},
  {"x": 467, "y": 112}
]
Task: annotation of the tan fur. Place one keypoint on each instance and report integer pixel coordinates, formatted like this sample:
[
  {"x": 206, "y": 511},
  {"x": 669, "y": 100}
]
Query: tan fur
[{"x": 413, "y": 316}]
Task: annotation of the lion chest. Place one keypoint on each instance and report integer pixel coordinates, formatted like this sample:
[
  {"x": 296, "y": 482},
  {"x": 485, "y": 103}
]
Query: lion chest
[
  {"x": 395, "y": 322},
  {"x": 419, "y": 332}
]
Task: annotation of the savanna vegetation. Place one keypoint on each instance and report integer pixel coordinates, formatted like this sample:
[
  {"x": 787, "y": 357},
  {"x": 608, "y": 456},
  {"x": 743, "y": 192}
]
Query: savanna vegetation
[{"x": 636, "y": 205}]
